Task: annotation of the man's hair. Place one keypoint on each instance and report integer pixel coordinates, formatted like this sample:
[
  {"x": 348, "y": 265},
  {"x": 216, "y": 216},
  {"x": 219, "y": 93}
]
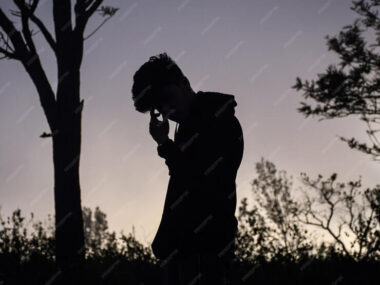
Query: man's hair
[{"x": 150, "y": 78}]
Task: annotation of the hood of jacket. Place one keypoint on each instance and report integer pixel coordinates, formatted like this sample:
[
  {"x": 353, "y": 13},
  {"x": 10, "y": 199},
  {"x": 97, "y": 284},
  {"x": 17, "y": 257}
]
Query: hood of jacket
[{"x": 209, "y": 106}]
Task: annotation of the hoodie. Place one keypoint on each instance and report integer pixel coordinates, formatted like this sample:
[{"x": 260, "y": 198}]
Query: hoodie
[{"x": 203, "y": 160}]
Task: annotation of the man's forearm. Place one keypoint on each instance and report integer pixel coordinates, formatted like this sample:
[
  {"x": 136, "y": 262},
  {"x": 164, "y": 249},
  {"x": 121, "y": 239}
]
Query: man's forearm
[
  {"x": 173, "y": 156},
  {"x": 163, "y": 141}
]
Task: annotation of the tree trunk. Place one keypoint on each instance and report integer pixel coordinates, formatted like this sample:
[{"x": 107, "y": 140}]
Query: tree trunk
[{"x": 66, "y": 156}]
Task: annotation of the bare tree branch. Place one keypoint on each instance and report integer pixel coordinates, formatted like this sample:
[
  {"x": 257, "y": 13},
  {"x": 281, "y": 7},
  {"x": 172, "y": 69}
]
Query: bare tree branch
[
  {"x": 310, "y": 211},
  {"x": 8, "y": 47},
  {"x": 95, "y": 5},
  {"x": 107, "y": 12},
  {"x": 8, "y": 51},
  {"x": 363, "y": 227},
  {"x": 20, "y": 48},
  {"x": 83, "y": 10},
  {"x": 25, "y": 25},
  {"x": 49, "y": 38},
  {"x": 32, "y": 65},
  {"x": 8, "y": 54},
  {"x": 30, "y": 12}
]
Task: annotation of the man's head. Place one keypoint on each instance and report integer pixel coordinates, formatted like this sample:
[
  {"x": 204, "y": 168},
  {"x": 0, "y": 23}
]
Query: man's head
[{"x": 160, "y": 84}]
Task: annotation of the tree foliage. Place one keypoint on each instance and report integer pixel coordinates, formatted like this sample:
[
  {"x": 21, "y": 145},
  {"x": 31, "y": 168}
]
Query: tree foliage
[
  {"x": 352, "y": 86},
  {"x": 272, "y": 220}
]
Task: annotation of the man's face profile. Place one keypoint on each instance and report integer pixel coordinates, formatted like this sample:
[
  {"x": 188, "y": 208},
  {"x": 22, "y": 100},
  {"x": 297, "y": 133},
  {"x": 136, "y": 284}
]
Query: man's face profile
[{"x": 170, "y": 103}]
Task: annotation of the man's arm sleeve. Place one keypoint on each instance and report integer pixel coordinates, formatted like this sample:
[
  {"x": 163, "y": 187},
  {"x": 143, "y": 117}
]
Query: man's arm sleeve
[{"x": 173, "y": 156}]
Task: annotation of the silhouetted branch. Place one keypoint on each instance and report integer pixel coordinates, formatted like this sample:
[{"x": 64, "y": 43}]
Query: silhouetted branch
[
  {"x": 107, "y": 12},
  {"x": 374, "y": 151},
  {"x": 49, "y": 38},
  {"x": 84, "y": 10},
  {"x": 8, "y": 54},
  {"x": 48, "y": 135},
  {"x": 27, "y": 11},
  {"x": 20, "y": 48},
  {"x": 93, "y": 6},
  {"x": 363, "y": 228},
  {"x": 5, "y": 41},
  {"x": 30, "y": 62},
  {"x": 25, "y": 25}
]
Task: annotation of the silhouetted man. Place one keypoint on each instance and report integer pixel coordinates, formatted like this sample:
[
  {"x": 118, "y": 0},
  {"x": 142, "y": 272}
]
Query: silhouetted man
[{"x": 196, "y": 237}]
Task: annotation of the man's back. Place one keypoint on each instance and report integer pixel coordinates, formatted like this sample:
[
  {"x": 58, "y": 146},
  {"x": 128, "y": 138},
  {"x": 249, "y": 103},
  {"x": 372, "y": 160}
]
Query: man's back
[{"x": 200, "y": 204}]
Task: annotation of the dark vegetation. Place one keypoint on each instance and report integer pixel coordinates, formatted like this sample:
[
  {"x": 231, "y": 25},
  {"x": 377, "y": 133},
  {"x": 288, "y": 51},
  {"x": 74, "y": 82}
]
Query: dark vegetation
[{"x": 279, "y": 239}]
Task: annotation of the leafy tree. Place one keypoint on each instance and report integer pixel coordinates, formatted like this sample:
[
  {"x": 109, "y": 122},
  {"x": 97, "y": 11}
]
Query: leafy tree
[
  {"x": 253, "y": 234},
  {"x": 352, "y": 87},
  {"x": 62, "y": 108},
  {"x": 95, "y": 230},
  {"x": 270, "y": 229},
  {"x": 17, "y": 245},
  {"x": 273, "y": 192},
  {"x": 102, "y": 243}
]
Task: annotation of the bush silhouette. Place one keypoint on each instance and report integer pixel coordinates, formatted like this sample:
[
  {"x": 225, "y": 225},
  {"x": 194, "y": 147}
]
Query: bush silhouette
[{"x": 274, "y": 245}]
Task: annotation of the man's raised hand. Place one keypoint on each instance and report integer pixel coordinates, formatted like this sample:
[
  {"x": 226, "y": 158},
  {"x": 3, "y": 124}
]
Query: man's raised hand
[{"x": 159, "y": 130}]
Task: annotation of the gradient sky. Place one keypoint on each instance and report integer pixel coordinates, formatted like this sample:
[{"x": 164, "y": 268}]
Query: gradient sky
[{"x": 251, "y": 49}]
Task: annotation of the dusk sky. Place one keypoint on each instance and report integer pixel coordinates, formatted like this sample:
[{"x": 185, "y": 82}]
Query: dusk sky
[{"x": 253, "y": 49}]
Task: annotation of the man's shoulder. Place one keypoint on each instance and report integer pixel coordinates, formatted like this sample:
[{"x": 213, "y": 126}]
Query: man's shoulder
[
  {"x": 214, "y": 109},
  {"x": 227, "y": 125}
]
